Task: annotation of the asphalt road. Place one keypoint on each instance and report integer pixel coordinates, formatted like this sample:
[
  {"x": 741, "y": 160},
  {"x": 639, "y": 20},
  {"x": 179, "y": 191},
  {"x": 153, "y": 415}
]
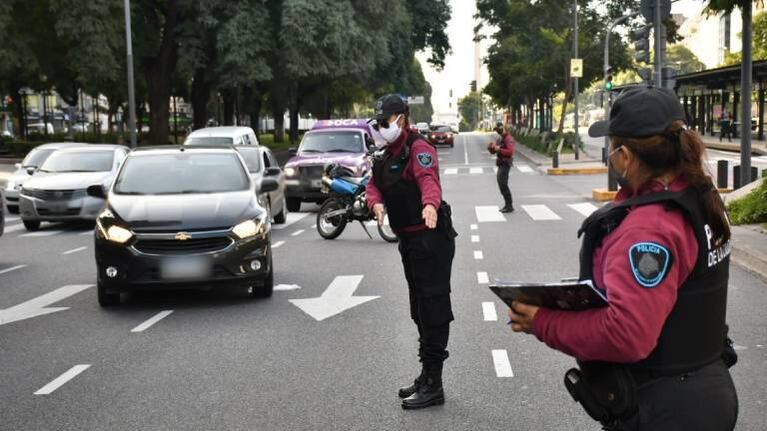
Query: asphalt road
[{"x": 220, "y": 360}]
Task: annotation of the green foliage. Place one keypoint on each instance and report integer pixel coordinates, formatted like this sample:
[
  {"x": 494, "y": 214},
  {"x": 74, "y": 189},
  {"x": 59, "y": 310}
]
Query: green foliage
[
  {"x": 679, "y": 56},
  {"x": 469, "y": 107},
  {"x": 548, "y": 143},
  {"x": 752, "y": 208}
]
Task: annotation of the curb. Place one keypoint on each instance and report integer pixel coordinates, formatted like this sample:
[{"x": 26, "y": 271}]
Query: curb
[
  {"x": 750, "y": 260},
  {"x": 603, "y": 195},
  {"x": 577, "y": 171},
  {"x": 733, "y": 147}
]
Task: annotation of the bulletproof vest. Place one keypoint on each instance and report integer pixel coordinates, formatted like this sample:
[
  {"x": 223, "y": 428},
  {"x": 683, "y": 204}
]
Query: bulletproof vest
[
  {"x": 402, "y": 196},
  {"x": 694, "y": 332}
]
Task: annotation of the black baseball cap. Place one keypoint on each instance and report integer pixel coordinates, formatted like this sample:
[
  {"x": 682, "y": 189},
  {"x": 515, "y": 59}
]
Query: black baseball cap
[
  {"x": 388, "y": 105},
  {"x": 640, "y": 112}
]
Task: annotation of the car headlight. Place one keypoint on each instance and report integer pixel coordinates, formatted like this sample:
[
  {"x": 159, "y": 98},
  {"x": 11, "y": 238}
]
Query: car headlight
[
  {"x": 290, "y": 172},
  {"x": 114, "y": 233},
  {"x": 250, "y": 228}
]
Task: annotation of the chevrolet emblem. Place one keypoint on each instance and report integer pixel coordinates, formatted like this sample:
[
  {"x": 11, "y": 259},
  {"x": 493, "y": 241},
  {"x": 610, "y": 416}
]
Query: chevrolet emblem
[{"x": 183, "y": 236}]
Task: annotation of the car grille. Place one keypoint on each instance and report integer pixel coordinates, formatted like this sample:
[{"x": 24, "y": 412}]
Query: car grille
[
  {"x": 190, "y": 246},
  {"x": 312, "y": 172},
  {"x": 54, "y": 195},
  {"x": 65, "y": 212}
]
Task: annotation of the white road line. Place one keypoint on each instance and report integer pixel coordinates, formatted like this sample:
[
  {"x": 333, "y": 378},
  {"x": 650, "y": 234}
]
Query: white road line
[
  {"x": 62, "y": 379},
  {"x": 451, "y": 171},
  {"x": 40, "y": 234},
  {"x": 584, "y": 208},
  {"x": 278, "y": 244},
  {"x": 486, "y": 214},
  {"x": 475, "y": 238},
  {"x": 475, "y": 171},
  {"x": 14, "y": 228},
  {"x": 488, "y": 311},
  {"x": 502, "y": 364},
  {"x": 87, "y": 232},
  {"x": 495, "y": 169},
  {"x": 473, "y": 227},
  {"x": 314, "y": 226},
  {"x": 525, "y": 169},
  {"x": 540, "y": 212},
  {"x": 465, "y": 152},
  {"x": 291, "y": 218},
  {"x": 298, "y": 232},
  {"x": 7, "y": 219},
  {"x": 284, "y": 287},
  {"x": 74, "y": 250},
  {"x": 482, "y": 278},
  {"x": 151, "y": 321},
  {"x": 478, "y": 255},
  {"x": 13, "y": 268}
]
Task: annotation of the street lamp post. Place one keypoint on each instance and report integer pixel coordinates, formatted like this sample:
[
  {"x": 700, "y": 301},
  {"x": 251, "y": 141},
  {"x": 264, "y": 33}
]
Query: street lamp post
[
  {"x": 131, "y": 88},
  {"x": 575, "y": 55},
  {"x": 745, "y": 97}
]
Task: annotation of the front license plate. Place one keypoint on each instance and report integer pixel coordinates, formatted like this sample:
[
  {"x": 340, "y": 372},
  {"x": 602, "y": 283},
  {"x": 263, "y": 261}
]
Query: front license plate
[{"x": 185, "y": 268}]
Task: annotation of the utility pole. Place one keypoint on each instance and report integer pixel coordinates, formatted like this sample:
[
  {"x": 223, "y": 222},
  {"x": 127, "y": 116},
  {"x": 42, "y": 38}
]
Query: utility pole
[
  {"x": 131, "y": 87},
  {"x": 745, "y": 97},
  {"x": 575, "y": 84},
  {"x": 658, "y": 46}
]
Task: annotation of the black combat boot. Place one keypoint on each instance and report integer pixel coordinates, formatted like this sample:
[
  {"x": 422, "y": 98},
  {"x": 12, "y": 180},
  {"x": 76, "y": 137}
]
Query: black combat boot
[
  {"x": 407, "y": 391},
  {"x": 430, "y": 392}
]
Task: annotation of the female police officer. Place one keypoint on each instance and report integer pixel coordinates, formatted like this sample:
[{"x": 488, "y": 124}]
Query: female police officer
[
  {"x": 405, "y": 185},
  {"x": 656, "y": 357}
]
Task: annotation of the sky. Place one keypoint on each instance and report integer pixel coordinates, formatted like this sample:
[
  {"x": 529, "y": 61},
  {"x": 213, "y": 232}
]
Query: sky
[{"x": 459, "y": 65}]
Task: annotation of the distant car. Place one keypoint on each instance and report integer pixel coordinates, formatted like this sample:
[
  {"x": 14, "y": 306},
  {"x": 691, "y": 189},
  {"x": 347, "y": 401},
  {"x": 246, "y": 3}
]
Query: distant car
[
  {"x": 225, "y": 135},
  {"x": 423, "y": 128},
  {"x": 179, "y": 217},
  {"x": 343, "y": 142},
  {"x": 57, "y": 191},
  {"x": 40, "y": 128},
  {"x": 261, "y": 164},
  {"x": 24, "y": 170},
  {"x": 441, "y": 135}
]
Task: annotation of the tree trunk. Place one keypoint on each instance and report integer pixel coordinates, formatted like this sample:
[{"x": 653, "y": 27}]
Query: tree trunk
[
  {"x": 159, "y": 72},
  {"x": 228, "y": 95},
  {"x": 255, "y": 116},
  {"x": 200, "y": 97},
  {"x": 279, "y": 124},
  {"x": 18, "y": 114},
  {"x": 568, "y": 92}
]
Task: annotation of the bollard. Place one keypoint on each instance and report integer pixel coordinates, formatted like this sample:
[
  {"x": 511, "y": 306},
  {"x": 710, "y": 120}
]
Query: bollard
[
  {"x": 555, "y": 160},
  {"x": 736, "y": 177},
  {"x": 754, "y": 174},
  {"x": 604, "y": 155},
  {"x": 721, "y": 174}
]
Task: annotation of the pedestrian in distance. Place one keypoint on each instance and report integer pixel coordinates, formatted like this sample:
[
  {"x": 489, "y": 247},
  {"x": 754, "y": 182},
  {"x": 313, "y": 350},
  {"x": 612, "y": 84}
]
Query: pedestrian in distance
[
  {"x": 725, "y": 126},
  {"x": 405, "y": 186},
  {"x": 503, "y": 148},
  {"x": 657, "y": 357}
]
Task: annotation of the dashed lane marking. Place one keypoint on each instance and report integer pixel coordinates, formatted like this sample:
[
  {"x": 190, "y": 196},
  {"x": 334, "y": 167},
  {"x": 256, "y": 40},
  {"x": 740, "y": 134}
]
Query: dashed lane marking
[
  {"x": 540, "y": 212},
  {"x": 74, "y": 250},
  {"x": 502, "y": 364},
  {"x": 40, "y": 234},
  {"x": 12, "y": 218},
  {"x": 473, "y": 227},
  {"x": 482, "y": 278},
  {"x": 14, "y": 228},
  {"x": 488, "y": 311},
  {"x": 525, "y": 169},
  {"x": 62, "y": 379},
  {"x": 278, "y": 244},
  {"x": 284, "y": 287},
  {"x": 475, "y": 238},
  {"x": 451, "y": 171},
  {"x": 478, "y": 255},
  {"x": 298, "y": 232},
  {"x": 475, "y": 171},
  {"x": 584, "y": 208},
  {"x": 87, "y": 232},
  {"x": 487, "y": 214},
  {"x": 151, "y": 321},
  {"x": 291, "y": 218},
  {"x": 13, "y": 268}
]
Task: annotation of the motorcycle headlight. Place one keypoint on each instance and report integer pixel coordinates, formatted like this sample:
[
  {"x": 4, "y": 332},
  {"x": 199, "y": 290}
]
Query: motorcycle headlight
[
  {"x": 114, "y": 233},
  {"x": 249, "y": 228},
  {"x": 290, "y": 172}
]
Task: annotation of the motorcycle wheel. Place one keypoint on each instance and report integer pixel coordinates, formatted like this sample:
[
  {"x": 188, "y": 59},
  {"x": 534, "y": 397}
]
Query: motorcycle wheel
[
  {"x": 330, "y": 228},
  {"x": 386, "y": 232}
]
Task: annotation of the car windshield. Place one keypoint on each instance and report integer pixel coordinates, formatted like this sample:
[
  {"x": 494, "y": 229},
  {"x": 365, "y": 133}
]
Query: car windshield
[
  {"x": 332, "y": 142},
  {"x": 35, "y": 158},
  {"x": 181, "y": 173},
  {"x": 208, "y": 140},
  {"x": 442, "y": 129},
  {"x": 252, "y": 158},
  {"x": 79, "y": 161}
]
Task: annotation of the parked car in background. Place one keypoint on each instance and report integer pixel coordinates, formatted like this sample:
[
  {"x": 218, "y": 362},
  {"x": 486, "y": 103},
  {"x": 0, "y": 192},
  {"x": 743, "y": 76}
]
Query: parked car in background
[
  {"x": 423, "y": 128},
  {"x": 441, "y": 135},
  {"x": 182, "y": 218},
  {"x": 225, "y": 135},
  {"x": 261, "y": 164},
  {"x": 40, "y": 128},
  {"x": 24, "y": 171},
  {"x": 343, "y": 142},
  {"x": 57, "y": 191}
]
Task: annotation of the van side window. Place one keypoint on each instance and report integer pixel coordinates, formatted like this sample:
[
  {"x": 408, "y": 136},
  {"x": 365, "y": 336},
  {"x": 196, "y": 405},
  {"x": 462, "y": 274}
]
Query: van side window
[{"x": 267, "y": 161}]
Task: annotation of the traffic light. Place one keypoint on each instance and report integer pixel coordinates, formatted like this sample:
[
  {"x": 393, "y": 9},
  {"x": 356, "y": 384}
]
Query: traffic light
[
  {"x": 645, "y": 74},
  {"x": 609, "y": 78},
  {"x": 473, "y": 86},
  {"x": 641, "y": 39}
]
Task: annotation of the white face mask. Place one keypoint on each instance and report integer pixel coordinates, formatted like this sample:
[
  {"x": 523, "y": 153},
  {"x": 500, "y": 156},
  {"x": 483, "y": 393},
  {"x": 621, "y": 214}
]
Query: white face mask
[{"x": 392, "y": 133}]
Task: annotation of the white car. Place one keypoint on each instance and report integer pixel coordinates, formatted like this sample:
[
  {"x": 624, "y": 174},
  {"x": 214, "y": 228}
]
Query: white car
[
  {"x": 226, "y": 135},
  {"x": 27, "y": 168}
]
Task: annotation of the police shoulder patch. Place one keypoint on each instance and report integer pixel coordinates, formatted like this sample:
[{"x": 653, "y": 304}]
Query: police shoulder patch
[
  {"x": 649, "y": 263},
  {"x": 425, "y": 159}
]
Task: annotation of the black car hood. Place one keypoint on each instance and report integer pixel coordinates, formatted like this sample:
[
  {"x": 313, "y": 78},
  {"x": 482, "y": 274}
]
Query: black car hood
[{"x": 189, "y": 212}]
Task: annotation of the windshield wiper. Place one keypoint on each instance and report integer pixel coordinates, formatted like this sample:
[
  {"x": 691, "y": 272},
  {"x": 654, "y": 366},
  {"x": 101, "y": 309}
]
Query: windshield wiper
[{"x": 339, "y": 150}]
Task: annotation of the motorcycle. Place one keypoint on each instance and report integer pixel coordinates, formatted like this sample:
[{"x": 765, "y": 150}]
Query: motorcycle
[{"x": 347, "y": 203}]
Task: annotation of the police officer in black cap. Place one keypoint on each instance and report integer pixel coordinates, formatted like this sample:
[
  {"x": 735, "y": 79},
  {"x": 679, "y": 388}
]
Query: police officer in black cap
[{"x": 406, "y": 186}]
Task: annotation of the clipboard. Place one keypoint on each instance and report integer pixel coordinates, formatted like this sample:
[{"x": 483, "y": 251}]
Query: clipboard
[{"x": 565, "y": 295}]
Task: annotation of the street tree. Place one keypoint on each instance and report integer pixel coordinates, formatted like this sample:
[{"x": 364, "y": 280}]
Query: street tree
[{"x": 469, "y": 107}]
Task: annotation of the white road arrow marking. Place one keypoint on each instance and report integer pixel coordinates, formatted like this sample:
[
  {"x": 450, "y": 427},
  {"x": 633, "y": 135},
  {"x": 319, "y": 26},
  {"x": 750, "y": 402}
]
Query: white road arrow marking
[
  {"x": 338, "y": 297},
  {"x": 39, "y": 306}
]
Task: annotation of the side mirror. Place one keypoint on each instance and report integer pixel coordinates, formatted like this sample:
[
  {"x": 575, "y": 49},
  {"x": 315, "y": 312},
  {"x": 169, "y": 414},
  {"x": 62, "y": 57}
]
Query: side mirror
[
  {"x": 96, "y": 191},
  {"x": 268, "y": 185},
  {"x": 31, "y": 170},
  {"x": 292, "y": 151},
  {"x": 272, "y": 172}
]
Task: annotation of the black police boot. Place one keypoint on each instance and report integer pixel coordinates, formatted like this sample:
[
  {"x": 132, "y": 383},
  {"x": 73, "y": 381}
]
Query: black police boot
[
  {"x": 429, "y": 393},
  {"x": 407, "y": 391}
]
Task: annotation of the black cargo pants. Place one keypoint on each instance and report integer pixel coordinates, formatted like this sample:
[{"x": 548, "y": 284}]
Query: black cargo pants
[
  {"x": 503, "y": 183},
  {"x": 427, "y": 257}
]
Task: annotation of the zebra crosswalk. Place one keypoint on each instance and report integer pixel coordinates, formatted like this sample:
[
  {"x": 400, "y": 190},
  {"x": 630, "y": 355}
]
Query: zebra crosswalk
[
  {"x": 479, "y": 170},
  {"x": 537, "y": 212}
]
